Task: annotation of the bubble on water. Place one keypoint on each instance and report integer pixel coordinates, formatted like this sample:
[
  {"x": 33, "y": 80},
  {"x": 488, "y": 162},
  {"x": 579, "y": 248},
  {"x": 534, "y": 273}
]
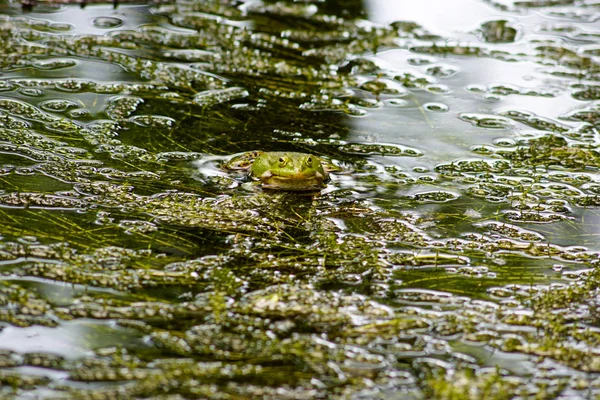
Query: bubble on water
[
  {"x": 492, "y": 98},
  {"x": 211, "y": 98},
  {"x": 395, "y": 103},
  {"x": 137, "y": 226},
  {"x": 31, "y": 92},
  {"x": 79, "y": 113},
  {"x": 73, "y": 85},
  {"x": 510, "y": 231},
  {"x": 487, "y": 120},
  {"x": 533, "y": 120},
  {"x": 355, "y": 111},
  {"x": 438, "y": 89},
  {"x": 106, "y": 22},
  {"x": 380, "y": 149},
  {"x": 588, "y": 113},
  {"x": 420, "y": 60},
  {"x": 54, "y": 64},
  {"x": 122, "y": 106},
  {"x": 61, "y": 27},
  {"x": 384, "y": 86},
  {"x": 503, "y": 89},
  {"x": 557, "y": 267},
  {"x": 535, "y": 217},
  {"x": 436, "y": 107},
  {"x": 476, "y": 88},
  {"x": 156, "y": 121},
  {"x": 6, "y": 85},
  {"x": 57, "y": 105},
  {"x": 180, "y": 156},
  {"x": 435, "y": 196},
  {"x": 367, "y": 103},
  {"x": 442, "y": 70},
  {"x": 505, "y": 142}
]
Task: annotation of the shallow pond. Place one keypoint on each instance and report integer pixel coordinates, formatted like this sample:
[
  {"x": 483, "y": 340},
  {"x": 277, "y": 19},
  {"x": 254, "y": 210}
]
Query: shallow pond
[{"x": 453, "y": 255}]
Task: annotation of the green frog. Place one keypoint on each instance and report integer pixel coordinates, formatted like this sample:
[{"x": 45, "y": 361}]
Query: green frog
[{"x": 278, "y": 170}]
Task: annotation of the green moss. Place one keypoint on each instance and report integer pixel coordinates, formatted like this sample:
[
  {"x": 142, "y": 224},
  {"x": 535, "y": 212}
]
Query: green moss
[
  {"x": 395, "y": 280},
  {"x": 465, "y": 385}
]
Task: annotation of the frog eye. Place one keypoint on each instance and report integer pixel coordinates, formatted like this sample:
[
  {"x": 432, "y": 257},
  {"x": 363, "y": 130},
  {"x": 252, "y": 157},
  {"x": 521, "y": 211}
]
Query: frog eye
[
  {"x": 309, "y": 161},
  {"x": 282, "y": 161}
]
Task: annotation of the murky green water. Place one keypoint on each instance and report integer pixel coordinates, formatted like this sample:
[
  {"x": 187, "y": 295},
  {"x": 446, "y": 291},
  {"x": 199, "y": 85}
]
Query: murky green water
[{"x": 454, "y": 255}]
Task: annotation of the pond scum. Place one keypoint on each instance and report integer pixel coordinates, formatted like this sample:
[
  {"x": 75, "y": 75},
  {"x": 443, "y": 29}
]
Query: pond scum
[{"x": 455, "y": 282}]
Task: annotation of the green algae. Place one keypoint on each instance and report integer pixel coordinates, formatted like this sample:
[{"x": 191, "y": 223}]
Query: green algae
[{"x": 399, "y": 279}]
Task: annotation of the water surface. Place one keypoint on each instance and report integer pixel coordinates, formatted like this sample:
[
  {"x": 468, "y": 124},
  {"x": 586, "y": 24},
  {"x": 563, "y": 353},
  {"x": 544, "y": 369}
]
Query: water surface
[{"x": 453, "y": 255}]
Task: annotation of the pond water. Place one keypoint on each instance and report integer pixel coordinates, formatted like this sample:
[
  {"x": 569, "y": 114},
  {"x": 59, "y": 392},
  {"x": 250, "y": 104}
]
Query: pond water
[{"x": 453, "y": 255}]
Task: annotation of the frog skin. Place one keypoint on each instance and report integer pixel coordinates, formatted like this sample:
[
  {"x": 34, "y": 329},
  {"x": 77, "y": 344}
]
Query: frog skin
[
  {"x": 289, "y": 171},
  {"x": 242, "y": 162}
]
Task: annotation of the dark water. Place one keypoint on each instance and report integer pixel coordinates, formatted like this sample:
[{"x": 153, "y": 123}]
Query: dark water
[{"x": 453, "y": 255}]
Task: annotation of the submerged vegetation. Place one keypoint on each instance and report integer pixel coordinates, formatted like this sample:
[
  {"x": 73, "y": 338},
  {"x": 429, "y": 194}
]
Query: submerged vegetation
[{"x": 454, "y": 255}]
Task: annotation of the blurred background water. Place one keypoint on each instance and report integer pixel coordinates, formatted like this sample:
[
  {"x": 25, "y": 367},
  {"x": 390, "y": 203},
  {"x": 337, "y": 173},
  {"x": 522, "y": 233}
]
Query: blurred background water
[{"x": 453, "y": 255}]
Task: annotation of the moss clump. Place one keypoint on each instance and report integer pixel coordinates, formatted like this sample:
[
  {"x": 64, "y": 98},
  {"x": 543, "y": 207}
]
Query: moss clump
[
  {"x": 398, "y": 279},
  {"x": 465, "y": 384}
]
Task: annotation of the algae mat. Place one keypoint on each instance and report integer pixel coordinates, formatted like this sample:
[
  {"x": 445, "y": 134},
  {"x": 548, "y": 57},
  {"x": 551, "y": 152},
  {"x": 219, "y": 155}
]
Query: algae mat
[{"x": 454, "y": 254}]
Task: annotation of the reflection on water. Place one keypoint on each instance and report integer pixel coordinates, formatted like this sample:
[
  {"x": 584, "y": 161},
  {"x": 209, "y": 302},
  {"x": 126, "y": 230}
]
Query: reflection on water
[
  {"x": 449, "y": 19},
  {"x": 454, "y": 253},
  {"x": 70, "y": 340}
]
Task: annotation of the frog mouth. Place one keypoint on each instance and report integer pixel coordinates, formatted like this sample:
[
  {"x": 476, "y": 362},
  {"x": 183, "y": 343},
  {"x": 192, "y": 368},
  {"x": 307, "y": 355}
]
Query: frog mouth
[{"x": 296, "y": 183}]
